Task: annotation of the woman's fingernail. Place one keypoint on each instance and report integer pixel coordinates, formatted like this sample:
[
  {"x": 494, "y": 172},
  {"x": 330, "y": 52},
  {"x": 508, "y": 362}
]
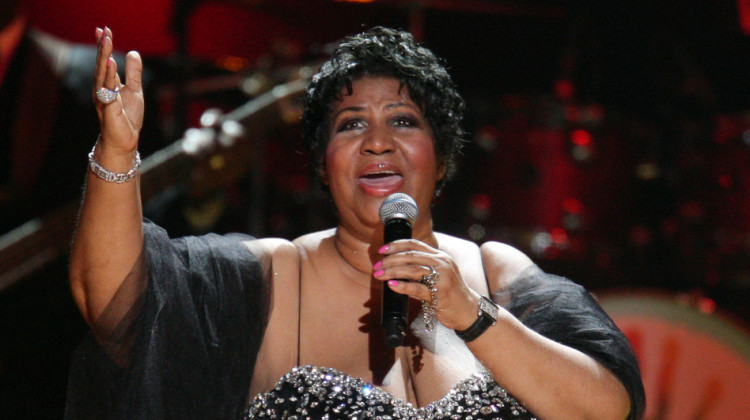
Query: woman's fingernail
[
  {"x": 378, "y": 273},
  {"x": 383, "y": 249},
  {"x": 377, "y": 265},
  {"x": 392, "y": 282}
]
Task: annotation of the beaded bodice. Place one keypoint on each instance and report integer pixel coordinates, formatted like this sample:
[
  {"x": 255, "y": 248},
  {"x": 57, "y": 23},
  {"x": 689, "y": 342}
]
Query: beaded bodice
[{"x": 310, "y": 392}]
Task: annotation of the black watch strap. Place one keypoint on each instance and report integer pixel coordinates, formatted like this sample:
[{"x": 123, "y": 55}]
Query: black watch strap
[{"x": 487, "y": 316}]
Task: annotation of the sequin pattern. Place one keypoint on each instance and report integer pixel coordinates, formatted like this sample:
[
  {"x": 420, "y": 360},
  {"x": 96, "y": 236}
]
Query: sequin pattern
[{"x": 310, "y": 392}]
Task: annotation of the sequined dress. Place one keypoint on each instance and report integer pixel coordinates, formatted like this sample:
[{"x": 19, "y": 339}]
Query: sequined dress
[
  {"x": 309, "y": 392},
  {"x": 180, "y": 340}
]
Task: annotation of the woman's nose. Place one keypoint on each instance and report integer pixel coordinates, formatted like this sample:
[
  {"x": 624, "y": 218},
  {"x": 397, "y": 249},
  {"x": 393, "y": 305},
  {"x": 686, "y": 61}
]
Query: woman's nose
[{"x": 378, "y": 140}]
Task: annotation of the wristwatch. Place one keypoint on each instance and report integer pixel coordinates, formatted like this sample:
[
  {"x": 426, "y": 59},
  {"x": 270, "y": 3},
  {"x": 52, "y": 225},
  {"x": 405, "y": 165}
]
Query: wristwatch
[{"x": 487, "y": 317}]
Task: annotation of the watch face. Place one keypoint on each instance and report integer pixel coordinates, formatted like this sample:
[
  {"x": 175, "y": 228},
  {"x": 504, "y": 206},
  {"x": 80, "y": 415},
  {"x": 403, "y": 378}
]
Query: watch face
[{"x": 488, "y": 307}]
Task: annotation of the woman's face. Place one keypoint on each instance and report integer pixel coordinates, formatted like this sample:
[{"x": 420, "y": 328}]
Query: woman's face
[{"x": 379, "y": 143}]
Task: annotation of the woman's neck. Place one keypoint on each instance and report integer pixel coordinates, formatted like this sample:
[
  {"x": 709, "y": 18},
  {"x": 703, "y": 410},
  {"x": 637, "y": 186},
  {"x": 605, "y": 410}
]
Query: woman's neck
[{"x": 360, "y": 251}]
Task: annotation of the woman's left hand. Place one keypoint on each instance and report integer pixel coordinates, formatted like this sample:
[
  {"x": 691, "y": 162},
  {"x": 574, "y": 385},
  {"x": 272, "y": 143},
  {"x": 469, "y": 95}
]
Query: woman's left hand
[{"x": 410, "y": 259}]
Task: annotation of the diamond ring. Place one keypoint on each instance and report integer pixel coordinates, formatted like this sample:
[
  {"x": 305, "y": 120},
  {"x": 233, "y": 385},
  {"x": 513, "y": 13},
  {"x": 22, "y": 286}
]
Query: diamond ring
[{"x": 106, "y": 96}]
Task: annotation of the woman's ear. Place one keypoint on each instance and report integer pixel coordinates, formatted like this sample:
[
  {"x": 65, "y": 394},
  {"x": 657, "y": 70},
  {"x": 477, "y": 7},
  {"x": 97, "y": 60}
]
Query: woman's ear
[{"x": 442, "y": 169}]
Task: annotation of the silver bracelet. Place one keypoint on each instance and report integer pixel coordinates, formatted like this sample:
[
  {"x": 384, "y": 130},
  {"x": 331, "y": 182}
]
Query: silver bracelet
[{"x": 110, "y": 176}]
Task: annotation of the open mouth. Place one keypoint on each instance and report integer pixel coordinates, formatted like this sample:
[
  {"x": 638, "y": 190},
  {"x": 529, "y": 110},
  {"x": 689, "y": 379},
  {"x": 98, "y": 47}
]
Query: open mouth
[{"x": 381, "y": 179}]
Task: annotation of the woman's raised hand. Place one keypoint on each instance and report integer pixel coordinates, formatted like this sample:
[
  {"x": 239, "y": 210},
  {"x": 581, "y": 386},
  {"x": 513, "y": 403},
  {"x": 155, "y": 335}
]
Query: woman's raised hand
[{"x": 121, "y": 119}]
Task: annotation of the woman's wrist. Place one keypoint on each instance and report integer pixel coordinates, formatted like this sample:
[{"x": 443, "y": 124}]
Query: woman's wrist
[
  {"x": 468, "y": 314},
  {"x": 112, "y": 166}
]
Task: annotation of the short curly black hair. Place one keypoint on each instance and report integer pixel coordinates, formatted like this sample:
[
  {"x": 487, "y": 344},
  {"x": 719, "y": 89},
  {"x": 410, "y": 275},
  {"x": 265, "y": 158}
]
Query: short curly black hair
[{"x": 386, "y": 52}]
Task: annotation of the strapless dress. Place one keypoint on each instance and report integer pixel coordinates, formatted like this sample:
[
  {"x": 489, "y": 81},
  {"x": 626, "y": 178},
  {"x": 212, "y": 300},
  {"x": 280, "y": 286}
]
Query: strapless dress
[{"x": 310, "y": 392}]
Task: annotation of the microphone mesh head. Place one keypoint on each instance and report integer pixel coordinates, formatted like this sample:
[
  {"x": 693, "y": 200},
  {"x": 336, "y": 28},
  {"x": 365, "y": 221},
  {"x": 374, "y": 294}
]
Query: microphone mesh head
[{"x": 399, "y": 205}]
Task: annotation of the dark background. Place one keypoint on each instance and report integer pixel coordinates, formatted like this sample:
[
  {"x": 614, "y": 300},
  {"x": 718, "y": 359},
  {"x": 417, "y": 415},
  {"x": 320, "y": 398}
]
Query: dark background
[{"x": 611, "y": 142}]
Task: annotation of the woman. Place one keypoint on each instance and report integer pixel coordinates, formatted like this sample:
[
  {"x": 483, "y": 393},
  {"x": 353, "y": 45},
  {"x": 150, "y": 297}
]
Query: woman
[{"x": 219, "y": 327}]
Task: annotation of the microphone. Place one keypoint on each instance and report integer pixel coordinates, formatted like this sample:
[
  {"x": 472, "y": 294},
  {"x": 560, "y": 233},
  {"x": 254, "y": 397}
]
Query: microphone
[{"x": 398, "y": 213}]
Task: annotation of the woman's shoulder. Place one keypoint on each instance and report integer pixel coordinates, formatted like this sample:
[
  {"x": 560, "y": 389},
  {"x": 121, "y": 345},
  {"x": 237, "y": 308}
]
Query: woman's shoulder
[
  {"x": 273, "y": 251},
  {"x": 285, "y": 249},
  {"x": 503, "y": 263},
  {"x": 313, "y": 239},
  {"x": 312, "y": 243}
]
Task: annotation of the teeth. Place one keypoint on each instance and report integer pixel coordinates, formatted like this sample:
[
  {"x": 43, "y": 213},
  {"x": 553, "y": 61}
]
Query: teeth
[{"x": 380, "y": 174}]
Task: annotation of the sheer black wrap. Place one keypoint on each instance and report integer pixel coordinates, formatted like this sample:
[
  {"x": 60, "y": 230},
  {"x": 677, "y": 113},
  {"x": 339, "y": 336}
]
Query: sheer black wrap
[
  {"x": 565, "y": 312},
  {"x": 180, "y": 338},
  {"x": 186, "y": 336}
]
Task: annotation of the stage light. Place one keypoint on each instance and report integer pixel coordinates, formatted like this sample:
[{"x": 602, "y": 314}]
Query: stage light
[
  {"x": 479, "y": 206},
  {"x": 581, "y": 138},
  {"x": 564, "y": 89}
]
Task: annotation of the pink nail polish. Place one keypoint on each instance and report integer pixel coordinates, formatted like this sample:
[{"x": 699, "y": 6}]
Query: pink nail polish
[
  {"x": 377, "y": 265},
  {"x": 383, "y": 249},
  {"x": 378, "y": 273},
  {"x": 392, "y": 282}
]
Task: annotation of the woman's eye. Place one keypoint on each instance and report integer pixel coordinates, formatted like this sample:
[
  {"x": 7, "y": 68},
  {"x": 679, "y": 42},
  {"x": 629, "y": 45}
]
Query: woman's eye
[
  {"x": 404, "y": 122},
  {"x": 351, "y": 125}
]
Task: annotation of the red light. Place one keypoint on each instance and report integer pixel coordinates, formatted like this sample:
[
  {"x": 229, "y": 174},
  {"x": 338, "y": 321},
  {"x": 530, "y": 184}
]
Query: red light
[
  {"x": 725, "y": 181},
  {"x": 743, "y": 7},
  {"x": 559, "y": 236},
  {"x": 581, "y": 138},
  {"x": 706, "y": 305},
  {"x": 572, "y": 206},
  {"x": 564, "y": 89},
  {"x": 481, "y": 201}
]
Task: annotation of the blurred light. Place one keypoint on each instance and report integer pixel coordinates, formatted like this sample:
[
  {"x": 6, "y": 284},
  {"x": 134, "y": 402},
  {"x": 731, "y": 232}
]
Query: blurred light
[
  {"x": 231, "y": 130},
  {"x": 210, "y": 117},
  {"x": 647, "y": 171},
  {"x": 255, "y": 84},
  {"x": 540, "y": 242},
  {"x": 640, "y": 236},
  {"x": 572, "y": 219},
  {"x": 746, "y": 137},
  {"x": 217, "y": 162},
  {"x": 487, "y": 138},
  {"x": 198, "y": 140},
  {"x": 477, "y": 232},
  {"x": 479, "y": 206},
  {"x": 572, "y": 222},
  {"x": 581, "y": 138},
  {"x": 580, "y": 154},
  {"x": 743, "y": 7},
  {"x": 706, "y": 305},
  {"x": 726, "y": 181},
  {"x": 571, "y": 205},
  {"x": 232, "y": 63},
  {"x": 481, "y": 201},
  {"x": 559, "y": 237},
  {"x": 593, "y": 114},
  {"x": 564, "y": 89}
]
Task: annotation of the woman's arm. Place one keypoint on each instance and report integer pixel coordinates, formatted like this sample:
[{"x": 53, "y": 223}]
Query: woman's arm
[
  {"x": 109, "y": 235},
  {"x": 553, "y": 380}
]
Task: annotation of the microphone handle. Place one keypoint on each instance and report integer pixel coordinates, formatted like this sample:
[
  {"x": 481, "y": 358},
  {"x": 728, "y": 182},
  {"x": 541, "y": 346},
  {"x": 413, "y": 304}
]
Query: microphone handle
[{"x": 394, "y": 305}]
